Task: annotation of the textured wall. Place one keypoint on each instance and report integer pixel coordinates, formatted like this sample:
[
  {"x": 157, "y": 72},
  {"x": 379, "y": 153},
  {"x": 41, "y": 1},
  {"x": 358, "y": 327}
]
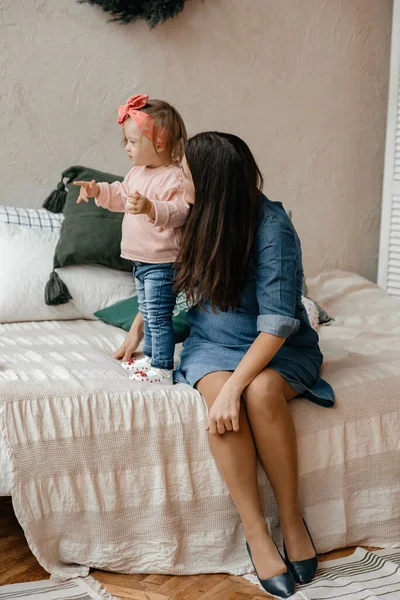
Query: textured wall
[{"x": 304, "y": 82}]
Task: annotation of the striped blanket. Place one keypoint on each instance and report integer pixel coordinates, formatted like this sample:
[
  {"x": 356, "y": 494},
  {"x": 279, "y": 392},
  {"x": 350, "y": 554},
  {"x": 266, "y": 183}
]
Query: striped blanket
[{"x": 118, "y": 477}]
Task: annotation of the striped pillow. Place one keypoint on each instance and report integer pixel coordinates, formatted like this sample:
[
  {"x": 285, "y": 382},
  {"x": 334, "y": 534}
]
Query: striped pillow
[{"x": 31, "y": 217}]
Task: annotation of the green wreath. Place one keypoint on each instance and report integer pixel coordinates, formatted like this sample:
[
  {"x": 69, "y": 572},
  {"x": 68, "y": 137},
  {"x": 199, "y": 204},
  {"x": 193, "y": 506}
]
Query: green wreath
[{"x": 152, "y": 11}]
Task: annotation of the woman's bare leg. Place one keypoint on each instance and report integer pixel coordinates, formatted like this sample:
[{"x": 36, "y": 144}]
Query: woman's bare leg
[
  {"x": 275, "y": 438},
  {"x": 235, "y": 456}
]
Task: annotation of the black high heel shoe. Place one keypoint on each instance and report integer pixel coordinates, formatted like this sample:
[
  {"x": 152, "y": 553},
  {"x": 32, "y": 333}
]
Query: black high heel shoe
[
  {"x": 280, "y": 585},
  {"x": 303, "y": 570}
]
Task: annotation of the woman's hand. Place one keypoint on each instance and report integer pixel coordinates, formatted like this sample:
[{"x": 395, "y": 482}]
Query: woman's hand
[
  {"x": 132, "y": 340},
  {"x": 89, "y": 189},
  {"x": 224, "y": 412}
]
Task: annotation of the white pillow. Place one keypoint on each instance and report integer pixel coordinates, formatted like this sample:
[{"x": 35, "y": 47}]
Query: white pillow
[
  {"x": 26, "y": 261},
  {"x": 31, "y": 217},
  {"x": 312, "y": 312}
]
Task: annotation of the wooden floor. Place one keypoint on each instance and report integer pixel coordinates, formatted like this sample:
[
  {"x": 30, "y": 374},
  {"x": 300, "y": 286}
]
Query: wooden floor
[{"x": 17, "y": 564}]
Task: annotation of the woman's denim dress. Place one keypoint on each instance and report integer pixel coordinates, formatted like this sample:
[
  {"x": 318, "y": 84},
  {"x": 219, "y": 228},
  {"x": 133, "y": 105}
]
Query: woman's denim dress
[{"x": 271, "y": 302}]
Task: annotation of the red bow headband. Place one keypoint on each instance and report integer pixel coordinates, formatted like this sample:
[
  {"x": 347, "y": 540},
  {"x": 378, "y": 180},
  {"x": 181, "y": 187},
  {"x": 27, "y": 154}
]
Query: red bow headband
[{"x": 145, "y": 122}]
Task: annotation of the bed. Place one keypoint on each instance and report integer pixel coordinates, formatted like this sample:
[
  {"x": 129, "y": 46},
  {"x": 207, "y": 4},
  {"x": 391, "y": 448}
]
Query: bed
[{"x": 108, "y": 475}]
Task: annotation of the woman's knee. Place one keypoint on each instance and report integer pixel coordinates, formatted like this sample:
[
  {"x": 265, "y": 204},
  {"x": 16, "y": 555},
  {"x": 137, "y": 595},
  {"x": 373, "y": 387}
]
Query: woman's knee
[
  {"x": 265, "y": 396},
  {"x": 210, "y": 385}
]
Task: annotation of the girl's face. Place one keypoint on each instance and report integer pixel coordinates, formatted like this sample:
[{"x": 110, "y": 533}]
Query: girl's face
[
  {"x": 139, "y": 148},
  {"x": 187, "y": 182}
]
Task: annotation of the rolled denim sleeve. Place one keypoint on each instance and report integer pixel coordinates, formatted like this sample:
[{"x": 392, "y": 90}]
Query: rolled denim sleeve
[{"x": 276, "y": 269}]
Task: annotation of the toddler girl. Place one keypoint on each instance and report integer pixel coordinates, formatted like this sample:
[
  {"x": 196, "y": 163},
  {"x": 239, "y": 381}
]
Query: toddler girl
[{"x": 152, "y": 198}]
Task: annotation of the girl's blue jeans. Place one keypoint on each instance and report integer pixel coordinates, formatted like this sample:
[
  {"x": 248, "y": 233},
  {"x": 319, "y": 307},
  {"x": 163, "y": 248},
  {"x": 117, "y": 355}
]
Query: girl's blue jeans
[{"x": 154, "y": 286}]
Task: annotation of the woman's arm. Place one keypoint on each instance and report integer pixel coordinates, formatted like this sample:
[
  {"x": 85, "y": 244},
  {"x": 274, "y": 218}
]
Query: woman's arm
[
  {"x": 224, "y": 413},
  {"x": 276, "y": 271},
  {"x": 260, "y": 353},
  {"x": 132, "y": 340}
]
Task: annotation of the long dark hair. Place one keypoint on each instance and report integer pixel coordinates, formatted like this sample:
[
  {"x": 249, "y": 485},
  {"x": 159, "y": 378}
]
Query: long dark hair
[{"x": 222, "y": 225}]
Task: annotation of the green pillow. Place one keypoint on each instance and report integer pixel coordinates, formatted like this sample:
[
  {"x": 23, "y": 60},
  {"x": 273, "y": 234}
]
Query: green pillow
[
  {"x": 124, "y": 312},
  {"x": 89, "y": 234}
]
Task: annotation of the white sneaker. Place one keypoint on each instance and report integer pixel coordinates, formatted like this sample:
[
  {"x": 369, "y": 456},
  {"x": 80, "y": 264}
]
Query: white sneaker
[
  {"x": 137, "y": 364},
  {"x": 153, "y": 375}
]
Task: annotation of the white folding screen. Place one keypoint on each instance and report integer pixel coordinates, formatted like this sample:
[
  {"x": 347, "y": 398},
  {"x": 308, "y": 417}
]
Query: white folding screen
[{"x": 389, "y": 250}]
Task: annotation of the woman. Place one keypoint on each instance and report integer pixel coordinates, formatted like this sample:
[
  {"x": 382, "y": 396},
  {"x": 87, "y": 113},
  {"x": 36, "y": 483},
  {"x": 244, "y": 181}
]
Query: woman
[{"x": 251, "y": 348}]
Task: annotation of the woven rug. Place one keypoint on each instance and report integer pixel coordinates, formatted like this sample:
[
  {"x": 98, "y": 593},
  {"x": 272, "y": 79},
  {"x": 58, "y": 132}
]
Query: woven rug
[
  {"x": 76, "y": 589},
  {"x": 362, "y": 576}
]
